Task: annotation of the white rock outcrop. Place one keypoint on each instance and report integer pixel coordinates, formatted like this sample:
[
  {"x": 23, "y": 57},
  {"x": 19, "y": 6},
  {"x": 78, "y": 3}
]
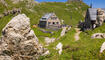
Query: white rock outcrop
[
  {"x": 100, "y": 16},
  {"x": 18, "y": 41},
  {"x": 59, "y": 47},
  {"x": 98, "y": 35},
  {"x": 69, "y": 27},
  {"x": 63, "y": 31},
  {"x": 46, "y": 53},
  {"x": 102, "y": 47},
  {"x": 49, "y": 40}
]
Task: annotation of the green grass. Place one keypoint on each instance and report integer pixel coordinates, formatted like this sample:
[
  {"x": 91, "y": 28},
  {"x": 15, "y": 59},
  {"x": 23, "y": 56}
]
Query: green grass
[
  {"x": 84, "y": 49},
  {"x": 4, "y": 21},
  {"x": 67, "y": 40},
  {"x": 64, "y": 11}
]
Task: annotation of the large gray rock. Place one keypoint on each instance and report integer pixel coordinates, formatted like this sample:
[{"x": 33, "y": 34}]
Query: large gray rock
[
  {"x": 18, "y": 41},
  {"x": 63, "y": 31},
  {"x": 102, "y": 47},
  {"x": 5, "y": 58},
  {"x": 59, "y": 47},
  {"x": 100, "y": 16},
  {"x": 98, "y": 35},
  {"x": 49, "y": 40}
]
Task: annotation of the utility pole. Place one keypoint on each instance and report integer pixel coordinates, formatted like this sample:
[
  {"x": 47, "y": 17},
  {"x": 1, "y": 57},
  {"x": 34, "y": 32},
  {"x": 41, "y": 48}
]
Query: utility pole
[{"x": 91, "y": 5}]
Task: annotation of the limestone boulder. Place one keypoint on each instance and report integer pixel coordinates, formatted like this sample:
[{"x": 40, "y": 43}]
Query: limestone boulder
[
  {"x": 18, "y": 41},
  {"x": 100, "y": 16},
  {"x": 98, "y": 35},
  {"x": 102, "y": 47},
  {"x": 63, "y": 31},
  {"x": 5, "y": 58},
  {"x": 49, "y": 40},
  {"x": 59, "y": 47}
]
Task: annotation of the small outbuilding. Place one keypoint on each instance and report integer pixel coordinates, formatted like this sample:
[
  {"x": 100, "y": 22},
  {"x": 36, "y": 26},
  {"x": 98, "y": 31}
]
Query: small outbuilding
[
  {"x": 91, "y": 18},
  {"x": 94, "y": 18},
  {"x": 50, "y": 21}
]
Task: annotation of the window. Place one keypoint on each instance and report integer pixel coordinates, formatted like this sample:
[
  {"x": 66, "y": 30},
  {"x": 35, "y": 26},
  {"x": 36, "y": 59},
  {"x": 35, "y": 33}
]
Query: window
[
  {"x": 57, "y": 22},
  {"x": 53, "y": 18},
  {"x": 49, "y": 22},
  {"x": 43, "y": 18},
  {"x": 53, "y": 22}
]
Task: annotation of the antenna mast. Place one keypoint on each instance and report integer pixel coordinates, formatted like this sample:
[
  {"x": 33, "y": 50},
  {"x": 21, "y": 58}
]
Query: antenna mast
[{"x": 91, "y": 5}]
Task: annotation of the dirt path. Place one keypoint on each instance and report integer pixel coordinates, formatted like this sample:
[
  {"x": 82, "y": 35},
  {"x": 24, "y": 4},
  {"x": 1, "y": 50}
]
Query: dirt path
[{"x": 77, "y": 34}]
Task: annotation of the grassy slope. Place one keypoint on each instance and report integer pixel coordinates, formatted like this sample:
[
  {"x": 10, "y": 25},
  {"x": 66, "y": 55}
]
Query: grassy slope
[
  {"x": 62, "y": 10},
  {"x": 84, "y": 49}
]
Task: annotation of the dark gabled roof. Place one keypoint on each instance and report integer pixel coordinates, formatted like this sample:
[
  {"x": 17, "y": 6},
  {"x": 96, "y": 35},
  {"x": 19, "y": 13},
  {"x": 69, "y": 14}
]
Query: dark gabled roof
[
  {"x": 47, "y": 16},
  {"x": 93, "y": 13}
]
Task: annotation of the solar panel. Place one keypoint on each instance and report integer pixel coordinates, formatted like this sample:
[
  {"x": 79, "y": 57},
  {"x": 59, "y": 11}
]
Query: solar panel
[{"x": 47, "y": 16}]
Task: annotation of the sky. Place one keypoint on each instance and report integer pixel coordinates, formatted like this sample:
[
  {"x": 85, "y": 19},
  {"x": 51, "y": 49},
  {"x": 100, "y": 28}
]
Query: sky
[{"x": 96, "y": 3}]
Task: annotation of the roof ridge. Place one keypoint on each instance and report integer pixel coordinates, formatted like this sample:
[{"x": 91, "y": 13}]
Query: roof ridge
[{"x": 47, "y": 16}]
